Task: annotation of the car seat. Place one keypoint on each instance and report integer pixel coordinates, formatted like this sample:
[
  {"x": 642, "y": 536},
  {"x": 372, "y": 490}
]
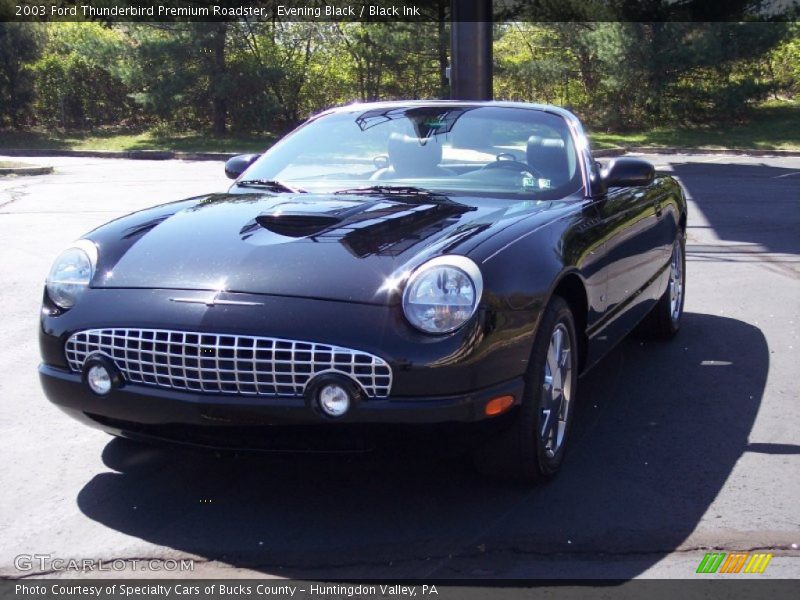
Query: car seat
[
  {"x": 412, "y": 157},
  {"x": 548, "y": 157}
]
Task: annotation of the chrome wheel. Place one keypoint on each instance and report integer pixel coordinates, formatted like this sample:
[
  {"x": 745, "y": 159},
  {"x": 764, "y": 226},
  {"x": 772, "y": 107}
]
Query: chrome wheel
[
  {"x": 676, "y": 283},
  {"x": 532, "y": 444},
  {"x": 556, "y": 391}
]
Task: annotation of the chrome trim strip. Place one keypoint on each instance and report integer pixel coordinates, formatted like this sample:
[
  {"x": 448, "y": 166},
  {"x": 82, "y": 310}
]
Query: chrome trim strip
[
  {"x": 214, "y": 301},
  {"x": 218, "y": 363}
]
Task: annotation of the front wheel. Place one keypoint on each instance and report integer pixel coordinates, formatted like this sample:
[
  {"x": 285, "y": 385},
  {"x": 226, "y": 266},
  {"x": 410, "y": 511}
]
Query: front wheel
[{"x": 532, "y": 448}]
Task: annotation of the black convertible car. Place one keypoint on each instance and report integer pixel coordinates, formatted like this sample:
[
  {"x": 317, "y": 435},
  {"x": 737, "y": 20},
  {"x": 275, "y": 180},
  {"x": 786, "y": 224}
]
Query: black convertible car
[{"x": 389, "y": 265}]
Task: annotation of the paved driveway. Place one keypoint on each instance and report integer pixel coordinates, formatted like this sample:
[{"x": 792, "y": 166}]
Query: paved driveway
[{"x": 678, "y": 447}]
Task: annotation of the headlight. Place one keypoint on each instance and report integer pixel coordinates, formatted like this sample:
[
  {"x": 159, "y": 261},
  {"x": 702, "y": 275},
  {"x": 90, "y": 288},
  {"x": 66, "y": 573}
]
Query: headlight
[
  {"x": 71, "y": 273},
  {"x": 442, "y": 294}
]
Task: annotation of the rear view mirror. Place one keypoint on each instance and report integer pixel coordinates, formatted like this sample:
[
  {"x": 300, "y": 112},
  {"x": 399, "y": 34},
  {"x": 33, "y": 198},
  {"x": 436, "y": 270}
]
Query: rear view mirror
[
  {"x": 238, "y": 164},
  {"x": 628, "y": 172}
]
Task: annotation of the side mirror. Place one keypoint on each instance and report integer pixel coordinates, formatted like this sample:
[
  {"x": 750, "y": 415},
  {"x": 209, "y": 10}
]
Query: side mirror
[
  {"x": 236, "y": 166},
  {"x": 628, "y": 172}
]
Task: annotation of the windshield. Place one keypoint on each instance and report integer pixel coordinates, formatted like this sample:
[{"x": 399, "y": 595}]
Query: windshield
[{"x": 473, "y": 150}]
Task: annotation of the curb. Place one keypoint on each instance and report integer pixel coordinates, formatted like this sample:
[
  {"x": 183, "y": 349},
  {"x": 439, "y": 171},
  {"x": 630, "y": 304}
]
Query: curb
[
  {"x": 608, "y": 152},
  {"x": 180, "y": 155},
  {"x": 129, "y": 154},
  {"x": 25, "y": 170},
  {"x": 620, "y": 150}
]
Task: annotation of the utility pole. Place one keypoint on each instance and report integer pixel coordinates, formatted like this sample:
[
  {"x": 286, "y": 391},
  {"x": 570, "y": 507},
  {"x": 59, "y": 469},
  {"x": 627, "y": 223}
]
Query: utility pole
[{"x": 471, "y": 50}]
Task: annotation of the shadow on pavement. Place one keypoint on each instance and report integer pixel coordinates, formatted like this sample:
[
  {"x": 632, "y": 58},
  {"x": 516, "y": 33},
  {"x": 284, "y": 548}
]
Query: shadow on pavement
[
  {"x": 749, "y": 203},
  {"x": 659, "y": 428}
]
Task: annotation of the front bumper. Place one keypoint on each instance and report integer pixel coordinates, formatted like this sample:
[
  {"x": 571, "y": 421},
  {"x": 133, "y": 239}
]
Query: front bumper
[
  {"x": 493, "y": 348},
  {"x": 141, "y": 411}
]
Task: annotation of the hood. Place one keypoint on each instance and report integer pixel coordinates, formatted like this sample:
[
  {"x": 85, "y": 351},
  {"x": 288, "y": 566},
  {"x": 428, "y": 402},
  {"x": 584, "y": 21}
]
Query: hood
[{"x": 304, "y": 245}]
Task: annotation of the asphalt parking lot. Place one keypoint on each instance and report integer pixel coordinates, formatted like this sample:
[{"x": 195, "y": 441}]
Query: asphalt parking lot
[{"x": 678, "y": 447}]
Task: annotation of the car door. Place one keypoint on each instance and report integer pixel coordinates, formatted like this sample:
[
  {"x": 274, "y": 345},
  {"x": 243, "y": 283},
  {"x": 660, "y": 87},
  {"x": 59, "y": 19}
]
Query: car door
[{"x": 632, "y": 257}]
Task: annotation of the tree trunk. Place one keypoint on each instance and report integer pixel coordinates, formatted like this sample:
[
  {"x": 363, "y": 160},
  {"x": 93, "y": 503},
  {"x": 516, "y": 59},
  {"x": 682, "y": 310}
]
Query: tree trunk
[
  {"x": 444, "y": 43},
  {"x": 219, "y": 92},
  {"x": 13, "y": 104}
]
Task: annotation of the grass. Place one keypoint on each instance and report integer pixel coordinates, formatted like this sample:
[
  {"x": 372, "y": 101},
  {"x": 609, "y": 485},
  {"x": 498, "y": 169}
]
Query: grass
[
  {"x": 148, "y": 140},
  {"x": 8, "y": 164},
  {"x": 773, "y": 126}
]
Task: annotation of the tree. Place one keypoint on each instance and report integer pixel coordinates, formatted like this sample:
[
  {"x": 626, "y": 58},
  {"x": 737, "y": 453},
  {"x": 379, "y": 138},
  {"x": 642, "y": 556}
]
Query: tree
[
  {"x": 784, "y": 64},
  {"x": 78, "y": 77},
  {"x": 181, "y": 72},
  {"x": 394, "y": 60},
  {"x": 20, "y": 44},
  {"x": 257, "y": 76},
  {"x": 280, "y": 57},
  {"x": 630, "y": 75}
]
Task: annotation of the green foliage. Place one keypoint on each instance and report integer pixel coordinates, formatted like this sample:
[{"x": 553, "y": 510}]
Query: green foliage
[
  {"x": 77, "y": 78},
  {"x": 20, "y": 45},
  {"x": 174, "y": 76},
  {"x": 271, "y": 75},
  {"x": 774, "y": 125},
  {"x": 626, "y": 75},
  {"x": 784, "y": 64},
  {"x": 266, "y": 76},
  {"x": 392, "y": 60}
]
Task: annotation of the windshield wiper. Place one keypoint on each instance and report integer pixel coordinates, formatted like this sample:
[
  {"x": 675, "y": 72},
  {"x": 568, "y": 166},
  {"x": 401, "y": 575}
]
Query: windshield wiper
[
  {"x": 393, "y": 190},
  {"x": 270, "y": 184}
]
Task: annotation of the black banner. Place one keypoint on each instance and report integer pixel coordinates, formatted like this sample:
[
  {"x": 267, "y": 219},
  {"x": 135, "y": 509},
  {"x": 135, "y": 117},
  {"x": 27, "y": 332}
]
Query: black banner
[
  {"x": 396, "y": 10},
  {"x": 281, "y": 589}
]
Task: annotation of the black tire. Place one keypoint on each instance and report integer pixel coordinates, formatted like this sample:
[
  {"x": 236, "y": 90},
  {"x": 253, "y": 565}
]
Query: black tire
[
  {"x": 664, "y": 321},
  {"x": 519, "y": 453}
]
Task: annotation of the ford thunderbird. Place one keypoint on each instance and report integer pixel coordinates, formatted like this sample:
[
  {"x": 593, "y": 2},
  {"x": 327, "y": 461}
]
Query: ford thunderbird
[{"x": 398, "y": 265}]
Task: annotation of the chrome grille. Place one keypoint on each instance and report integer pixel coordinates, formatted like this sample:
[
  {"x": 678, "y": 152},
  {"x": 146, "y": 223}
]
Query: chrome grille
[{"x": 226, "y": 364}]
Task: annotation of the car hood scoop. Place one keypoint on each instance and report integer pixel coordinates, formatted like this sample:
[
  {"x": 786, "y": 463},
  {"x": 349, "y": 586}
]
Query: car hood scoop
[
  {"x": 296, "y": 224},
  {"x": 309, "y": 245},
  {"x": 300, "y": 219}
]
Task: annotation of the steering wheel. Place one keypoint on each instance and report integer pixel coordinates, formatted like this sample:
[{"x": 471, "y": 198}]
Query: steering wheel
[{"x": 512, "y": 165}]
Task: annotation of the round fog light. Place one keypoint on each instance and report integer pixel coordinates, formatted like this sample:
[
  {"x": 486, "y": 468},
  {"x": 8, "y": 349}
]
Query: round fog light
[
  {"x": 99, "y": 379},
  {"x": 334, "y": 400}
]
